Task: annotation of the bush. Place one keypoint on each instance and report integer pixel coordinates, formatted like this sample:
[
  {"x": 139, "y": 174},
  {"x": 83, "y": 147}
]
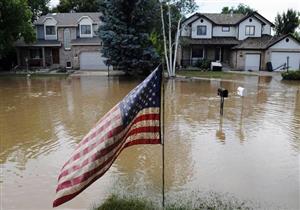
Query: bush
[
  {"x": 203, "y": 64},
  {"x": 291, "y": 75}
]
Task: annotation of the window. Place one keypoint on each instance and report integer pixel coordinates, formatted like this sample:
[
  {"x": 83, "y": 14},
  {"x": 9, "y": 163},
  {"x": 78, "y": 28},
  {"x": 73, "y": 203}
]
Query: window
[
  {"x": 50, "y": 30},
  {"x": 201, "y": 30},
  {"x": 225, "y": 29},
  {"x": 35, "y": 53},
  {"x": 197, "y": 52},
  {"x": 67, "y": 39},
  {"x": 85, "y": 29},
  {"x": 250, "y": 30}
]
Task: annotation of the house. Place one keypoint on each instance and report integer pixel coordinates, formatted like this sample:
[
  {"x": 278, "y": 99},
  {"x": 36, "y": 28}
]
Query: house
[
  {"x": 64, "y": 40},
  {"x": 243, "y": 42}
]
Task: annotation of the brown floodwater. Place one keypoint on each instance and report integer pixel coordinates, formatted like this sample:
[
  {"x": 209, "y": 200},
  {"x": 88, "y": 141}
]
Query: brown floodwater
[{"x": 252, "y": 153}]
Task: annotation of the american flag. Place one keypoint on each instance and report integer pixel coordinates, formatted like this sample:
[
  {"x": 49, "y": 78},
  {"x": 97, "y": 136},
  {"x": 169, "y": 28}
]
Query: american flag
[{"x": 134, "y": 120}]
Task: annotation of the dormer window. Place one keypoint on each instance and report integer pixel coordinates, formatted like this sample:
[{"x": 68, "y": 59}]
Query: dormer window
[
  {"x": 225, "y": 29},
  {"x": 85, "y": 29},
  {"x": 50, "y": 30},
  {"x": 250, "y": 30},
  {"x": 201, "y": 30}
]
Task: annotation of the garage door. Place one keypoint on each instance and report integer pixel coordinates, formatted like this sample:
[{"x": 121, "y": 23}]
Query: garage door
[
  {"x": 252, "y": 62},
  {"x": 92, "y": 61},
  {"x": 280, "y": 58}
]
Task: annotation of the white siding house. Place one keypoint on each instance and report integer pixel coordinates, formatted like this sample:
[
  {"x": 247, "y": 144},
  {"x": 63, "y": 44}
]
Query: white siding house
[{"x": 243, "y": 42}]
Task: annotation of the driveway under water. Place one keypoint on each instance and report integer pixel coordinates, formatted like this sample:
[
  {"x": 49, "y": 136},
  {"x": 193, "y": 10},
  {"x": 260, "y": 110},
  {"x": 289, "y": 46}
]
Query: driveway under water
[{"x": 252, "y": 153}]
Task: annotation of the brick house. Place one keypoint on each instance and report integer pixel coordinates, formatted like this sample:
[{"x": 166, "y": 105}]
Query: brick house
[{"x": 64, "y": 40}]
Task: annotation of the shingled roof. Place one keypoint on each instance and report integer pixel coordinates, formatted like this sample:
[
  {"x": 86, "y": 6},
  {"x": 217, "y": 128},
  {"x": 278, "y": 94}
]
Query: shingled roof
[
  {"x": 259, "y": 43},
  {"x": 224, "y": 19},
  {"x": 211, "y": 41},
  {"x": 69, "y": 19}
]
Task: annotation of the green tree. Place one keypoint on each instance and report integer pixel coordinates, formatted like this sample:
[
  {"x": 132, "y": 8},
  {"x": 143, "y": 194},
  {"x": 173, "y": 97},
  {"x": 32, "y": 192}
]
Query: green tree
[
  {"x": 287, "y": 22},
  {"x": 78, "y": 6},
  {"x": 38, "y": 8},
  {"x": 240, "y": 9},
  {"x": 125, "y": 34},
  {"x": 15, "y": 23}
]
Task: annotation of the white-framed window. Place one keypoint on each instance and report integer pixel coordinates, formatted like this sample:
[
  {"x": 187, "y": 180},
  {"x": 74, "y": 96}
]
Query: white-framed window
[
  {"x": 225, "y": 28},
  {"x": 197, "y": 52},
  {"x": 86, "y": 30},
  {"x": 67, "y": 39},
  {"x": 50, "y": 30},
  {"x": 201, "y": 30},
  {"x": 250, "y": 30}
]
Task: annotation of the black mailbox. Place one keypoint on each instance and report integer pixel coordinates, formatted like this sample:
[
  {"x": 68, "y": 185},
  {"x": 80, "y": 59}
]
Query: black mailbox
[{"x": 222, "y": 92}]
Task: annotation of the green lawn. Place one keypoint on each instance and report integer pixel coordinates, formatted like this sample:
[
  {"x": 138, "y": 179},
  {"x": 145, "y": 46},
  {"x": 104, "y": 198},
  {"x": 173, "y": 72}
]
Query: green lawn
[
  {"x": 214, "y": 202},
  {"x": 211, "y": 74}
]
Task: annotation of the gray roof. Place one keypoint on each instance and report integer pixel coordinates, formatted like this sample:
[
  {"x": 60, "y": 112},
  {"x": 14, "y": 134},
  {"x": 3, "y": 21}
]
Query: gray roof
[
  {"x": 86, "y": 41},
  {"x": 212, "y": 41},
  {"x": 38, "y": 43},
  {"x": 263, "y": 42},
  {"x": 224, "y": 19},
  {"x": 69, "y": 19}
]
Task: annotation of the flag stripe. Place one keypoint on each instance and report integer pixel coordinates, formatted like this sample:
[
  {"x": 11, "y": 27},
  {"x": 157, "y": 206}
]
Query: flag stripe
[
  {"x": 108, "y": 147},
  {"x": 88, "y": 174},
  {"x": 109, "y": 134},
  {"x": 92, "y": 135}
]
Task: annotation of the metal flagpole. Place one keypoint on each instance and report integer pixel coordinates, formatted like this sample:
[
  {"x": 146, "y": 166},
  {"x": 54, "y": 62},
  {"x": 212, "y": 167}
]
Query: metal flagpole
[{"x": 163, "y": 138}]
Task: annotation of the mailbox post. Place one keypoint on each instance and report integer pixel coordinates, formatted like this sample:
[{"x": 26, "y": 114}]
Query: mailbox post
[{"x": 223, "y": 93}]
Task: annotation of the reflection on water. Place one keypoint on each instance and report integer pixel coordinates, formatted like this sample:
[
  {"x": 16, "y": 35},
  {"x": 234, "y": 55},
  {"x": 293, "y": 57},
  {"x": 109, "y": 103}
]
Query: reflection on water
[{"x": 252, "y": 152}]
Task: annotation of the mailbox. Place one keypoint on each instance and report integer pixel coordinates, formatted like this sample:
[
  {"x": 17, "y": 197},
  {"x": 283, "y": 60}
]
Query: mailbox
[{"x": 222, "y": 92}]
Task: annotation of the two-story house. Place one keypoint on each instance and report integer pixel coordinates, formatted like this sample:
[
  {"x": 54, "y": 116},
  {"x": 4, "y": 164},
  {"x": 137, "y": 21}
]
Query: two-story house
[
  {"x": 64, "y": 40},
  {"x": 243, "y": 42}
]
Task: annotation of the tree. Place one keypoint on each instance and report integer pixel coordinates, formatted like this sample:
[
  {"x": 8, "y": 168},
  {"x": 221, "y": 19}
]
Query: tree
[
  {"x": 183, "y": 7},
  {"x": 38, "y": 8},
  {"x": 15, "y": 23},
  {"x": 287, "y": 22},
  {"x": 78, "y": 6},
  {"x": 240, "y": 9},
  {"x": 125, "y": 34}
]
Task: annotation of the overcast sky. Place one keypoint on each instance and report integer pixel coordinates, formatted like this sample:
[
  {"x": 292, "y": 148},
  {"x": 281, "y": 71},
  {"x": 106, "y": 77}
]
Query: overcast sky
[{"x": 267, "y": 8}]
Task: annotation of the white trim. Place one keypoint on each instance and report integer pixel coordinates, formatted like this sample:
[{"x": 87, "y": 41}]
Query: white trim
[
  {"x": 52, "y": 23},
  {"x": 85, "y": 35}
]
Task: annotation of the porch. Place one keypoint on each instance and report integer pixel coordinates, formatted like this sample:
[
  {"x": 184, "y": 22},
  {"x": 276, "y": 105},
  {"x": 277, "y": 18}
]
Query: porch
[
  {"x": 38, "y": 54},
  {"x": 215, "y": 49}
]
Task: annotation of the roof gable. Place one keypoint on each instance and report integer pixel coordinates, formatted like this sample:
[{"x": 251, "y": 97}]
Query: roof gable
[
  {"x": 227, "y": 19},
  {"x": 70, "y": 19}
]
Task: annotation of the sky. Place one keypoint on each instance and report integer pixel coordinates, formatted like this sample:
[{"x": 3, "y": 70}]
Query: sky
[{"x": 267, "y": 8}]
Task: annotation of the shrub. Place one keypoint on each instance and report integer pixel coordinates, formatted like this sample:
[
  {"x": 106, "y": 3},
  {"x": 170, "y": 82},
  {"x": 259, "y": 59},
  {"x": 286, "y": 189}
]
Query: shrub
[
  {"x": 291, "y": 75},
  {"x": 203, "y": 64}
]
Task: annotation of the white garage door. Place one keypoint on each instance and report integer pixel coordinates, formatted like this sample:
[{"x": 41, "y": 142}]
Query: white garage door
[
  {"x": 92, "y": 61},
  {"x": 280, "y": 58},
  {"x": 252, "y": 62}
]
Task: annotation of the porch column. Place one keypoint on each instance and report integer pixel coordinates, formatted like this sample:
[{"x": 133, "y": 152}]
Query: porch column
[
  {"x": 43, "y": 56},
  {"x": 18, "y": 56},
  {"x": 220, "y": 54}
]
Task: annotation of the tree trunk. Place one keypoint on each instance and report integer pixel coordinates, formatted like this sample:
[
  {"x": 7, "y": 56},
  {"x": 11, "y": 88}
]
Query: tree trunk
[
  {"x": 170, "y": 42},
  {"x": 176, "y": 43},
  {"x": 165, "y": 39}
]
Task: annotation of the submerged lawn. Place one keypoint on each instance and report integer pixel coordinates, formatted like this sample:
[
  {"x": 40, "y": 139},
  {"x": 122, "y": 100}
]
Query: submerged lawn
[
  {"x": 211, "y": 74},
  {"x": 213, "y": 203}
]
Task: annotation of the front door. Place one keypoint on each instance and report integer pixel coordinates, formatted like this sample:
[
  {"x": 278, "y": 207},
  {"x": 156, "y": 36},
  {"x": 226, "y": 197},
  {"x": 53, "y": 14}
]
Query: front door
[
  {"x": 218, "y": 54},
  {"x": 55, "y": 56}
]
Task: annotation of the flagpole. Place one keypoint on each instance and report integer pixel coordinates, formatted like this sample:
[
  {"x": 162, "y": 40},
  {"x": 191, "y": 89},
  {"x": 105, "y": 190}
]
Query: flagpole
[{"x": 163, "y": 140}]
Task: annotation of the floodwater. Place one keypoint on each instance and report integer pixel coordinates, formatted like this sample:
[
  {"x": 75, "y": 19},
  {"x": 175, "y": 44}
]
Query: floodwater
[{"x": 252, "y": 153}]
